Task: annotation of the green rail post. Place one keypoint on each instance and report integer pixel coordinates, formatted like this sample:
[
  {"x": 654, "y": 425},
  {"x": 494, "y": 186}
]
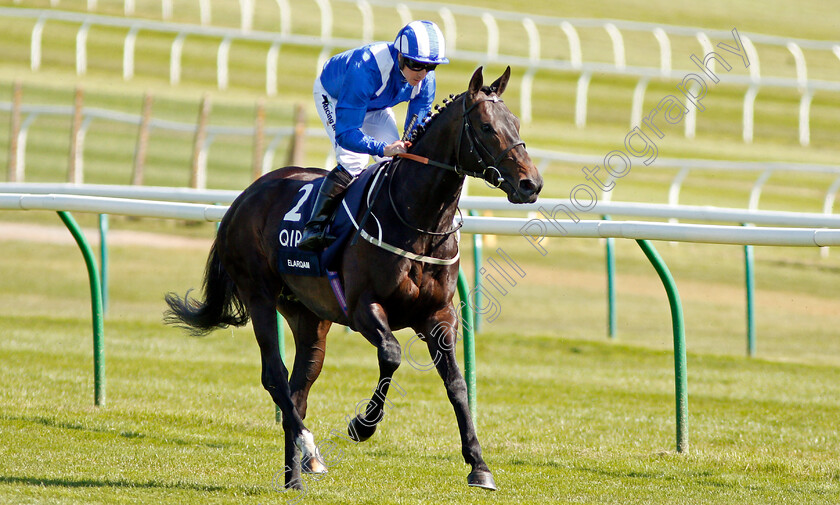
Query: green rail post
[
  {"x": 612, "y": 315},
  {"x": 467, "y": 323},
  {"x": 96, "y": 308},
  {"x": 478, "y": 252},
  {"x": 281, "y": 342},
  {"x": 749, "y": 273},
  {"x": 679, "y": 342},
  {"x": 103, "y": 259}
]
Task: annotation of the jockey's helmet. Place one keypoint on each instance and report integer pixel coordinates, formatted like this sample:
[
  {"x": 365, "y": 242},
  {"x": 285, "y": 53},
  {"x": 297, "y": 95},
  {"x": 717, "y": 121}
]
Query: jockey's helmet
[{"x": 422, "y": 41}]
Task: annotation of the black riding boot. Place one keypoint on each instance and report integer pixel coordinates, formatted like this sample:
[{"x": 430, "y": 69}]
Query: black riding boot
[{"x": 314, "y": 236}]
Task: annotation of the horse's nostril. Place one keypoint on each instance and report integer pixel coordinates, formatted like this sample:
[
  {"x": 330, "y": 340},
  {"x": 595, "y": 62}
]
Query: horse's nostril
[{"x": 527, "y": 187}]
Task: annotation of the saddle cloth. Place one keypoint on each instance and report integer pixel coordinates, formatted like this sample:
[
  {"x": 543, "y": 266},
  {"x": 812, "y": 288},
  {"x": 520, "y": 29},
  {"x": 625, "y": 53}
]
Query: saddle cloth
[{"x": 317, "y": 264}]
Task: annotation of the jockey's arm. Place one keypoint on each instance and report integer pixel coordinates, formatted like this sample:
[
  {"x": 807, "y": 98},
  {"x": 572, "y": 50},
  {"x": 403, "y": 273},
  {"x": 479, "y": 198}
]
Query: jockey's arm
[
  {"x": 350, "y": 111},
  {"x": 353, "y": 139},
  {"x": 421, "y": 104}
]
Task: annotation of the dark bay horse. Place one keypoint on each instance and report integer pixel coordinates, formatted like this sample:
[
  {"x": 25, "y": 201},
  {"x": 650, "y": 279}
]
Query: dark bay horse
[{"x": 474, "y": 134}]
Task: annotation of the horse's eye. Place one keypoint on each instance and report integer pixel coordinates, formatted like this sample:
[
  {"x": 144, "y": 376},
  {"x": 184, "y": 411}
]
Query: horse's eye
[{"x": 486, "y": 128}]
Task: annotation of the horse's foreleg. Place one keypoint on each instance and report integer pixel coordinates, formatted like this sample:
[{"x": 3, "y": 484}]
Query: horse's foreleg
[
  {"x": 370, "y": 319},
  {"x": 441, "y": 335},
  {"x": 275, "y": 381}
]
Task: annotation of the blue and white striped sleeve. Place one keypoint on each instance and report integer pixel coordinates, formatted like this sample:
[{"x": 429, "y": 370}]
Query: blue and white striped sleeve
[
  {"x": 361, "y": 82},
  {"x": 422, "y": 103}
]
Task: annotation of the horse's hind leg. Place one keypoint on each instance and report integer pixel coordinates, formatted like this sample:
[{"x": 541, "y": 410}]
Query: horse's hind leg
[
  {"x": 371, "y": 321},
  {"x": 275, "y": 381},
  {"x": 310, "y": 334},
  {"x": 441, "y": 334}
]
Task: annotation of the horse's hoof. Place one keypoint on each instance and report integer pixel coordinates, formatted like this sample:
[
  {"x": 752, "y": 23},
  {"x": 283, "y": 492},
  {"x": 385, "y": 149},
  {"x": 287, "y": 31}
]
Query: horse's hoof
[
  {"x": 359, "y": 431},
  {"x": 310, "y": 457},
  {"x": 295, "y": 484},
  {"x": 482, "y": 479},
  {"x": 278, "y": 482}
]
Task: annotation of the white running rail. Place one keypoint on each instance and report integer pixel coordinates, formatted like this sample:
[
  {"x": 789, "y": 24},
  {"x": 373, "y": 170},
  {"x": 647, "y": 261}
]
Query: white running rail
[{"x": 494, "y": 52}]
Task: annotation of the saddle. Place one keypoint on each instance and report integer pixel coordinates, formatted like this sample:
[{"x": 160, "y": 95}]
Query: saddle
[{"x": 342, "y": 225}]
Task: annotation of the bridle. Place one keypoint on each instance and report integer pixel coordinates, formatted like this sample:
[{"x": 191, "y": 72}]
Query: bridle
[{"x": 476, "y": 147}]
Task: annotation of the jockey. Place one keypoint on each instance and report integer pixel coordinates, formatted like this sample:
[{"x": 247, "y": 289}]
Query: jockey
[{"x": 354, "y": 95}]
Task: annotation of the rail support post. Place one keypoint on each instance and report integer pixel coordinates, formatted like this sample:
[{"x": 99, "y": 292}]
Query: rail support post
[
  {"x": 749, "y": 274},
  {"x": 281, "y": 342},
  {"x": 103, "y": 259},
  {"x": 469, "y": 344},
  {"x": 749, "y": 277},
  {"x": 679, "y": 342},
  {"x": 612, "y": 314},
  {"x": 478, "y": 253},
  {"x": 96, "y": 308}
]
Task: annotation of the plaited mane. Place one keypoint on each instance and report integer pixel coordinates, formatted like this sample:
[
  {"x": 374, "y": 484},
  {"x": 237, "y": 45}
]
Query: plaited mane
[{"x": 424, "y": 124}]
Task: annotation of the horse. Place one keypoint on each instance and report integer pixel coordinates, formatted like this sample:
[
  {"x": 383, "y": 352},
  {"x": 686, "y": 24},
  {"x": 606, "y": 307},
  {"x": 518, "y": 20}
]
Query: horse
[{"x": 408, "y": 284}]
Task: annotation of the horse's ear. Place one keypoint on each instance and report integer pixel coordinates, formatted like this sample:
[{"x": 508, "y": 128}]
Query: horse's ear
[
  {"x": 501, "y": 83},
  {"x": 476, "y": 82}
]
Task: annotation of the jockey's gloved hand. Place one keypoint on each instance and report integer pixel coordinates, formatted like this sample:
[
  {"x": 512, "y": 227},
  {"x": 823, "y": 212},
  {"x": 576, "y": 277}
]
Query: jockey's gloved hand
[{"x": 399, "y": 146}]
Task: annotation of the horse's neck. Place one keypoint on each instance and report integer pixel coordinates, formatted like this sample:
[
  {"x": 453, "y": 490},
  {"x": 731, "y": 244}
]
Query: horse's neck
[{"x": 427, "y": 196}]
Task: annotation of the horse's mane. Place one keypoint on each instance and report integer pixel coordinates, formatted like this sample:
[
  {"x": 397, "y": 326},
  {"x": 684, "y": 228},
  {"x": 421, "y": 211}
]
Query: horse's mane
[{"x": 426, "y": 122}]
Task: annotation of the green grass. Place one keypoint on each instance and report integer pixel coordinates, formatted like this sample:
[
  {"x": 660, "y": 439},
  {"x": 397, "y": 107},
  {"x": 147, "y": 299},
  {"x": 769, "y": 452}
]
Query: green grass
[
  {"x": 560, "y": 420},
  {"x": 564, "y": 415}
]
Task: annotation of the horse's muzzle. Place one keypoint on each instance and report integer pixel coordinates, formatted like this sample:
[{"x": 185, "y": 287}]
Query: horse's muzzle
[{"x": 527, "y": 191}]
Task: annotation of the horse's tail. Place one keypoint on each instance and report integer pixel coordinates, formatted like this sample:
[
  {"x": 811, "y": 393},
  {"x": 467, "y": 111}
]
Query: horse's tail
[{"x": 221, "y": 306}]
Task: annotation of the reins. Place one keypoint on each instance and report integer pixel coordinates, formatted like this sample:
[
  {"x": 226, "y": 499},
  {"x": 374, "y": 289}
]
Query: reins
[
  {"x": 360, "y": 231},
  {"x": 477, "y": 148},
  {"x": 419, "y": 230}
]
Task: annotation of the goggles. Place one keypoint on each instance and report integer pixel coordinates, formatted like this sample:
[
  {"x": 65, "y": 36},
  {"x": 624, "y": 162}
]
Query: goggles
[{"x": 417, "y": 66}]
